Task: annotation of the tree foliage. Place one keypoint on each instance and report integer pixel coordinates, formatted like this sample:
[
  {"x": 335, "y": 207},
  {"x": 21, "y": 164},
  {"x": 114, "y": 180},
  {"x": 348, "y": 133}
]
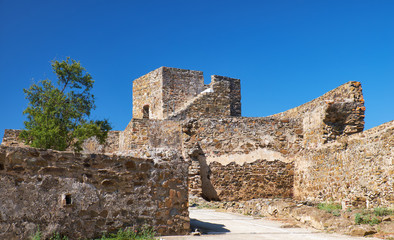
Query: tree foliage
[{"x": 57, "y": 117}]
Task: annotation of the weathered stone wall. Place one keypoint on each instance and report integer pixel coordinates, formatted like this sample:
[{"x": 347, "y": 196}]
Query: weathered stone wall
[
  {"x": 111, "y": 145},
  {"x": 180, "y": 86},
  {"x": 242, "y": 141},
  {"x": 91, "y": 145},
  {"x": 245, "y": 139},
  {"x": 359, "y": 168},
  {"x": 222, "y": 98},
  {"x": 144, "y": 134},
  {"x": 82, "y": 195},
  {"x": 258, "y": 179},
  {"x": 234, "y": 95},
  {"x": 11, "y": 138},
  {"x": 147, "y": 90},
  {"x": 339, "y": 112}
]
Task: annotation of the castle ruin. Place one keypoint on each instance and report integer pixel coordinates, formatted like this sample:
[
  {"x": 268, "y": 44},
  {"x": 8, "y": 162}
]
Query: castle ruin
[{"x": 188, "y": 137}]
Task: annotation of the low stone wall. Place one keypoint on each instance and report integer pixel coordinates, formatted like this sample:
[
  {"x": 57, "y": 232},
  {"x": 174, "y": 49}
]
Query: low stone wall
[
  {"x": 111, "y": 145},
  {"x": 11, "y": 138},
  {"x": 91, "y": 145},
  {"x": 358, "y": 169},
  {"x": 259, "y": 179},
  {"x": 83, "y": 195}
]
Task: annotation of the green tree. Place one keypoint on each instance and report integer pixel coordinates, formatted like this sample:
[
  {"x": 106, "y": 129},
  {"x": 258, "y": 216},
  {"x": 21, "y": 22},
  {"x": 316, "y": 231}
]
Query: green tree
[{"x": 57, "y": 117}]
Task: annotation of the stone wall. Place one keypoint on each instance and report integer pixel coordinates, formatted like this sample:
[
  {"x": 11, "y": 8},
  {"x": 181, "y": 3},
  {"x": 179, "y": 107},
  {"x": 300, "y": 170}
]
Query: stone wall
[
  {"x": 358, "y": 169},
  {"x": 234, "y": 94},
  {"x": 268, "y": 143},
  {"x": 180, "y": 86},
  {"x": 340, "y": 112},
  {"x": 222, "y": 98},
  {"x": 147, "y": 91},
  {"x": 111, "y": 145},
  {"x": 242, "y": 139},
  {"x": 11, "y": 138},
  {"x": 144, "y": 134},
  {"x": 91, "y": 145},
  {"x": 258, "y": 179},
  {"x": 83, "y": 195}
]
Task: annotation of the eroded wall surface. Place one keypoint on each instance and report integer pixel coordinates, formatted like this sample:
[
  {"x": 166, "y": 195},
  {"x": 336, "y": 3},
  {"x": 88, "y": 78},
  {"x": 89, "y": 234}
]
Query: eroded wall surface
[
  {"x": 358, "y": 169},
  {"x": 83, "y": 195},
  {"x": 247, "y": 157},
  {"x": 258, "y": 179},
  {"x": 339, "y": 112},
  {"x": 243, "y": 139}
]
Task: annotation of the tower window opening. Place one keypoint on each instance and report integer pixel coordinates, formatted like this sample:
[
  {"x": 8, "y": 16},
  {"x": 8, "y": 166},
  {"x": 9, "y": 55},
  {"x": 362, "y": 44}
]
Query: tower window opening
[
  {"x": 67, "y": 197},
  {"x": 145, "y": 112}
]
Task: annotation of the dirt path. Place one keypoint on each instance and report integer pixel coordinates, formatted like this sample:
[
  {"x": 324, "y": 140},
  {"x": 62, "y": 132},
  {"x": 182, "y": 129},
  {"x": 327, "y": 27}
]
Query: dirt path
[{"x": 222, "y": 225}]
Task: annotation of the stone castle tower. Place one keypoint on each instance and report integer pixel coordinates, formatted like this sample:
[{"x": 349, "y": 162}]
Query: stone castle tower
[{"x": 172, "y": 93}]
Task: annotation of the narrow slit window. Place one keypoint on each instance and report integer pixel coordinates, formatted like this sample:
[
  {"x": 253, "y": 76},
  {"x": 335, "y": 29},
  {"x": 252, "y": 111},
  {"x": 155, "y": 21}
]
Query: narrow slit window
[
  {"x": 145, "y": 112},
  {"x": 68, "y": 199}
]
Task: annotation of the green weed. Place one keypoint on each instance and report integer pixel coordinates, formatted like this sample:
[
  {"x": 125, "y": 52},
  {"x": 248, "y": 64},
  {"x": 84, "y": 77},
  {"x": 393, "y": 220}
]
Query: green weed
[
  {"x": 366, "y": 219},
  {"x": 57, "y": 236},
  {"x": 145, "y": 233},
  {"x": 330, "y": 207},
  {"x": 382, "y": 211},
  {"x": 37, "y": 235}
]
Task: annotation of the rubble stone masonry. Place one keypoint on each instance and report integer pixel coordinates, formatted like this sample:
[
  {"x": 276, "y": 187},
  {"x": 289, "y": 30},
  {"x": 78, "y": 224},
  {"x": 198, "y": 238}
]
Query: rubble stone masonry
[
  {"x": 258, "y": 179},
  {"x": 83, "y": 195},
  {"x": 358, "y": 169},
  {"x": 247, "y": 157},
  {"x": 340, "y": 112}
]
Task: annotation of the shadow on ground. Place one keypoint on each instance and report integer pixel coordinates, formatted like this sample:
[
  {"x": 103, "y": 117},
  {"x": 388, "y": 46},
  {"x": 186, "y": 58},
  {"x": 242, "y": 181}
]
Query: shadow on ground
[{"x": 207, "y": 227}]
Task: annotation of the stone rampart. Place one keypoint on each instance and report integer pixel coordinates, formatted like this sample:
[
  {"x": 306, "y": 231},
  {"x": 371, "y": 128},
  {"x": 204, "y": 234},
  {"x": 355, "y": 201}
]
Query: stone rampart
[
  {"x": 228, "y": 144},
  {"x": 358, "y": 169},
  {"x": 83, "y": 195},
  {"x": 340, "y": 112},
  {"x": 243, "y": 139}
]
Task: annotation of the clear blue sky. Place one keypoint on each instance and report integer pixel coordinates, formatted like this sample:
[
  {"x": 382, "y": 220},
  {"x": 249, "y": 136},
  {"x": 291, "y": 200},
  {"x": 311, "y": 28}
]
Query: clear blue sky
[{"x": 285, "y": 52}]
